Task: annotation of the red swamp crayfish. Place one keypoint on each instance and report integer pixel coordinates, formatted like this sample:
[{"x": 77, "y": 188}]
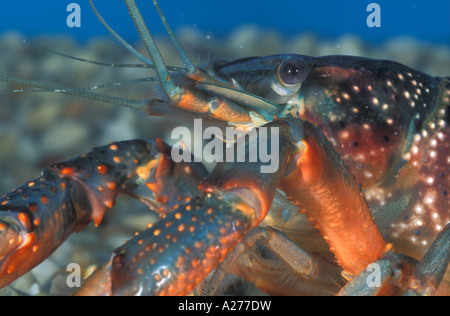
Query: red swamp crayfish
[{"x": 362, "y": 179}]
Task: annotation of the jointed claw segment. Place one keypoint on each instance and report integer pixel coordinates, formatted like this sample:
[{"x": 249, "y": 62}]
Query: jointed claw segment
[{"x": 37, "y": 217}]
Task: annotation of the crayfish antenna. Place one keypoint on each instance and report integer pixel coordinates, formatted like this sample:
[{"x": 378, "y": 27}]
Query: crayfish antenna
[
  {"x": 167, "y": 83},
  {"x": 82, "y": 93},
  {"x": 186, "y": 61},
  {"x": 118, "y": 37},
  {"x": 99, "y": 63}
]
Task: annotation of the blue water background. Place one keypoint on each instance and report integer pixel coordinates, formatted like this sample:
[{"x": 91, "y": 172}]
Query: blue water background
[{"x": 422, "y": 19}]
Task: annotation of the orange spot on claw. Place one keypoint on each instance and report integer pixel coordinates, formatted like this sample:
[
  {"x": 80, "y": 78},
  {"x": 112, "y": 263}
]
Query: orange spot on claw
[
  {"x": 44, "y": 199},
  {"x": 102, "y": 169},
  {"x": 67, "y": 171},
  {"x": 113, "y": 147},
  {"x": 23, "y": 219}
]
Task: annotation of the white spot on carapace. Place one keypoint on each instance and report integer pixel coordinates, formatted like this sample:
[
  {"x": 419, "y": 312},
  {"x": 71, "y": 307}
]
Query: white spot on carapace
[
  {"x": 424, "y": 133},
  {"x": 344, "y": 135},
  {"x": 419, "y": 209},
  {"x": 429, "y": 199}
]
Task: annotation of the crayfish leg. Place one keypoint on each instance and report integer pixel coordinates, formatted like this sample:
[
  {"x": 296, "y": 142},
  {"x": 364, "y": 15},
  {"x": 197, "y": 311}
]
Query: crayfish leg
[
  {"x": 431, "y": 268},
  {"x": 323, "y": 188},
  {"x": 275, "y": 265}
]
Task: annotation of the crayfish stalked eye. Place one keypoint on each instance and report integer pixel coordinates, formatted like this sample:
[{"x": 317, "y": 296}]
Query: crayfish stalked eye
[
  {"x": 289, "y": 76},
  {"x": 292, "y": 72}
]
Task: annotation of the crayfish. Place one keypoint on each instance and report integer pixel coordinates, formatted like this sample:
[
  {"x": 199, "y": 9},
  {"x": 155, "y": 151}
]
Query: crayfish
[{"x": 360, "y": 184}]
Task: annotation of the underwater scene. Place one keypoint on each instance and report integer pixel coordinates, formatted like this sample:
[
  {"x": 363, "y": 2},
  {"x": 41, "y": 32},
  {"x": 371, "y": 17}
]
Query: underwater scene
[{"x": 64, "y": 43}]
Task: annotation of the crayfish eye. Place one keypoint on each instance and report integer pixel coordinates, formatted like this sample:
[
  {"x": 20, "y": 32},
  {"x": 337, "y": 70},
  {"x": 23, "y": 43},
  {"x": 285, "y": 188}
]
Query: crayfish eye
[{"x": 292, "y": 72}]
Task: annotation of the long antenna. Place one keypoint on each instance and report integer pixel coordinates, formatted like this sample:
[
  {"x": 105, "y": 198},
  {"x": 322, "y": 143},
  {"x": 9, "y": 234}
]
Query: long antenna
[
  {"x": 118, "y": 37},
  {"x": 98, "y": 63},
  {"x": 186, "y": 61},
  {"x": 164, "y": 78},
  {"x": 82, "y": 93}
]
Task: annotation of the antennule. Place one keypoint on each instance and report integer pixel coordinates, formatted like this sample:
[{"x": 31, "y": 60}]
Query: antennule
[
  {"x": 118, "y": 37},
  {"x": 164, "y": 78},
  {"x": 186, "y": 61}
]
